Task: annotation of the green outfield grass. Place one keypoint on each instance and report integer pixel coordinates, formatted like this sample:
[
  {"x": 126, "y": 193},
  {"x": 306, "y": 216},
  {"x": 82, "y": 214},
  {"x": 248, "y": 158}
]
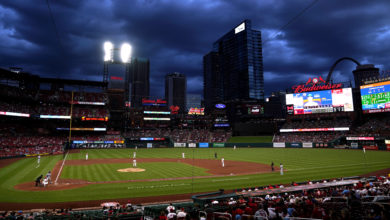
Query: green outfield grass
[
  {"x": 301, "y": 165},
  {"x": 250, "y": 139}
]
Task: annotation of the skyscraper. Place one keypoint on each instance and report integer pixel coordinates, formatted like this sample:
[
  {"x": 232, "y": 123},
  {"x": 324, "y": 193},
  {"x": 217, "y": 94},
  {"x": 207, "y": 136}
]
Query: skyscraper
[
  {"x": 234, "y": 68},
  {"x": 138, "y": 81},
  {"x": 175, "y": 90}
]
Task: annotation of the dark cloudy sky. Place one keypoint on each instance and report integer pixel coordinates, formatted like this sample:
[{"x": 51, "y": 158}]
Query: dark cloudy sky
[{"x": 175, "y": 34}]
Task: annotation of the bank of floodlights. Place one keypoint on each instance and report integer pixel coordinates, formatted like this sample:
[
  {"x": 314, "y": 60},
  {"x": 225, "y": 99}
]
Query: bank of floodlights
[
  {"x": 109, "y": 52},
  {"x": 125, "y": 53}
]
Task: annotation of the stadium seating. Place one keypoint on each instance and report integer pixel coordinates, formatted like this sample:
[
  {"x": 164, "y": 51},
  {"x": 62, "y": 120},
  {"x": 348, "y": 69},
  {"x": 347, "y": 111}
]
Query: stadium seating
[{"x": 366, "y": 199}]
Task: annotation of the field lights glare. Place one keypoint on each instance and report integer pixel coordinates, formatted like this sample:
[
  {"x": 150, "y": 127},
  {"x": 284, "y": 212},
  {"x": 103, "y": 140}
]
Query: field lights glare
[
  {"x": 108, "y": 47},
  {"x": 125, "y": 52}
]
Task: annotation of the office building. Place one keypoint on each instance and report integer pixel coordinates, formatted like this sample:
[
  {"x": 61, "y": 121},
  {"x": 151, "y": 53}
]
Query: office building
[
  {"x": 175, "y": 90},
  {"x": 233, "y": 70},
  {"x": 138, "y": 81}
]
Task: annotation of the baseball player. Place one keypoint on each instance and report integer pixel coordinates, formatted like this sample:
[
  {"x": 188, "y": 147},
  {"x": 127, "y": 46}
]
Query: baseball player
[
  {"x": 134, "y": 154},
  {"x": 86, "y": 156},
  {"x": 48, "y": 177},
  {"x": 223, "y": 162},
  {"x": 39, "y": 160},
  {"x": 134, "y": 163},
  {"x": 281, "y": 169},
  {"x": 234, "y": 147},
  {"x": 272, "y": 166},
  {"x": 183, "y": 155}
]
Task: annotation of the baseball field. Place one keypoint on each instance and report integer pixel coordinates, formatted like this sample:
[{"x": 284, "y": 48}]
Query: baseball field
[{"x": 106, "y": 175}]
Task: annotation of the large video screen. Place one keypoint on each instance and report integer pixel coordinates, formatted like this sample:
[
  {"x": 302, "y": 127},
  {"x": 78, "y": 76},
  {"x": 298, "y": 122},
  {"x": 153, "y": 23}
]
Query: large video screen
[
  {"x": 325, "y": 101},
  {"x": 375, "y": 97}
]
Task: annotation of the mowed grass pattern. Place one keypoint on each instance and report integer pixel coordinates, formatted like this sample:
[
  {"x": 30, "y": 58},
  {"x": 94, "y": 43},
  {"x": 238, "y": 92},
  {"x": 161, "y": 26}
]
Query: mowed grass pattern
[
  {"x": 300, "y": 165},
  {"x": 108, "y": 172}
]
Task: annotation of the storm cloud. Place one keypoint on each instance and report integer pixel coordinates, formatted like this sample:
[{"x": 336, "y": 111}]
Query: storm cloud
[{"x": 175, "y": 35}]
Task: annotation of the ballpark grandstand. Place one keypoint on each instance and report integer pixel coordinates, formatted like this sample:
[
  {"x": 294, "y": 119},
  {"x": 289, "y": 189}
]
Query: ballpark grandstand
[{"x": 73, "y": 149}]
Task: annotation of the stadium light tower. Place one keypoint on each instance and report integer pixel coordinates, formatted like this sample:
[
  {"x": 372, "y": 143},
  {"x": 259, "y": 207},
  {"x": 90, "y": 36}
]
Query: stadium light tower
[
  {"x": 108, "y": 51},
  {"x": 126, "y": 53},
  {"x": 108, "y": 48}
]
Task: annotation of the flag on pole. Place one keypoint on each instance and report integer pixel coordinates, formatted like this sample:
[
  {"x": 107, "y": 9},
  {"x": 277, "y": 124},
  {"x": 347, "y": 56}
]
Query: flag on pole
[{"x": 364, "y": 150}]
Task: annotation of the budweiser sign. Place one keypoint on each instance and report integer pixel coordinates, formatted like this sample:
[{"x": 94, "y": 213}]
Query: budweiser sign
[{"x": 315, "y": 84}]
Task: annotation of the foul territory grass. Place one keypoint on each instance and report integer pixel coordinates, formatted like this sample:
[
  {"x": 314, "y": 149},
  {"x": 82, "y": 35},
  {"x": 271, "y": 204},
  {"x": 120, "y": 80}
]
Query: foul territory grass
[{"x": 300, "y": 165}]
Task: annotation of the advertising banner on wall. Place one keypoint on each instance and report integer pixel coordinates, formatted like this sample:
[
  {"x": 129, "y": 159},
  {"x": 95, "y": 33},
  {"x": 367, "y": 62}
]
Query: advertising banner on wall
[
  {"x": 149, "y": 145},
  {"x": 370, "y": 147},
  {"x": 203, "y": 145},
  {"x": 281, "y": 144},
  {"x": 218, "y": 144},
  {"x": 191, "y": 144},
  {"x": 354, "y": 145},
  {"x": 307, "y": 144},
  {"x": 179, "y": 145},
  {"x": 295, "y": 144}
]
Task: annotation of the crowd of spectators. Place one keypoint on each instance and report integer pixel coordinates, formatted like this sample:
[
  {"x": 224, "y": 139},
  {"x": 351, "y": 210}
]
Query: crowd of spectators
[
  {"x": 30, "y": 145},
  {"x": 182, "y": 135},
  {"x": 318, "y": 123},
  {"x": 49, "y": 109},
  {"x": 51, "y": 96},
  {"x": 374, "y": 126},
  {"x": 364, "y": 200},
  {"x": 319, "y": 137}
]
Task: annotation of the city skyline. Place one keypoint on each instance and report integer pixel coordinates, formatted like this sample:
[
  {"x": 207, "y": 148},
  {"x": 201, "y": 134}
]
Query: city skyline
[{"x": 67, "y": 40}]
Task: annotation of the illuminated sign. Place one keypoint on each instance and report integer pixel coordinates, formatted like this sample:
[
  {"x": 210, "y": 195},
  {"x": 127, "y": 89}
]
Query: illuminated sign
[
  {"x": 97, "y": 142},
  {"x": 326, "y": 101},
  {"x": 82, "y": 129},
  {"x": 116, "y": 78},
  {"x": 315, "y": 84},
  {"x": 87, "y": 103},
  {"x": 55, "y": 116},
  {"x": 174, "y": 109},
  {"x": 157, "y": 113},
  {"x": 151, "y": 139},
  {"x": 360, "y": 138},
  {"x": 375, "y": 97},
  {"x": 290, "y": 109},
  {"x": 314, "y": 129},
  {"x": 222, "y": 125},
  {"x": 15, "y": 114},
  {"x": 94, "y": 119},
  {"x": 239, "y": 28},
  {"x": 220, "y": 106},
  {"x": 156, "y": 119},
  {"x": 196, "y": 111},
  {"x": 158, "y": 102}
]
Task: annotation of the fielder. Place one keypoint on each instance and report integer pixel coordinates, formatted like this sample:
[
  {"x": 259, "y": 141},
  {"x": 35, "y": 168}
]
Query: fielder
[
  {"x": 86, "y": 156},
  {"x": 38, "y": 160},
  {"x": 134, "y": 154},
  {"x": 234, "y": 147},
  {"x": 134, "y": 163},
  {"x": 223, "y": 162},
  {"x": 183, "y": 155},
  {"x": 281, "y": 169}
]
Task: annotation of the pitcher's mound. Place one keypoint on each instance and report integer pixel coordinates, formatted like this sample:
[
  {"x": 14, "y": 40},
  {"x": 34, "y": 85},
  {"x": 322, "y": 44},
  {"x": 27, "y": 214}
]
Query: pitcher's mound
[{"x": 131, "y": 170}]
